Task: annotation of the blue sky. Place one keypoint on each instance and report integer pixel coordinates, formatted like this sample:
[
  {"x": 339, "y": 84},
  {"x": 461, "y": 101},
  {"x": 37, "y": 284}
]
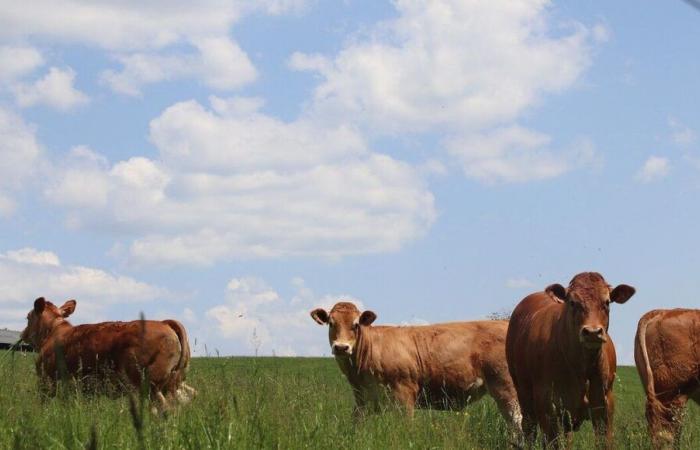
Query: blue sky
[{"x": 235, "y": 164}]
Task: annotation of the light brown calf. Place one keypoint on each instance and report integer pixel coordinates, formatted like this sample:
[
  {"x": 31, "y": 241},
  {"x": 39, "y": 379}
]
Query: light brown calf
[
  {"x": 441, "y": 366},
  {"x": 667, "y": 355},
  {"x": 120, "y": 352}
]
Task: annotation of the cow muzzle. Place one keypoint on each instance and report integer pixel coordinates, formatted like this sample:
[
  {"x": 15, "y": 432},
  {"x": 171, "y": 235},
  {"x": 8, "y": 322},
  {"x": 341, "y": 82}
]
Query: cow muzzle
[
  {"x": 341, "y": 349},
  {"x": 593, "y": 337}
]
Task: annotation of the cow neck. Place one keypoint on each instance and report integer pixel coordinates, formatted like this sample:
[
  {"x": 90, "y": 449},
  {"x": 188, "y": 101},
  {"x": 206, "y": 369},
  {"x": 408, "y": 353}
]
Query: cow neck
[
  {"x": 57, "y": 327},
  {"x": 579, "y": 359},
  {"x": 363, "y": 351}
]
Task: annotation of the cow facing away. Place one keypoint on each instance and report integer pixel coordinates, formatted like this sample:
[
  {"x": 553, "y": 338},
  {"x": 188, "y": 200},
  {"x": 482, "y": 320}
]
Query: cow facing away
[
  {"x": 441, "y": 366},
  {"x": 667, "y": 356},
  {"x": 562, "y": 359},
  {"x": 118, "y": 352}
]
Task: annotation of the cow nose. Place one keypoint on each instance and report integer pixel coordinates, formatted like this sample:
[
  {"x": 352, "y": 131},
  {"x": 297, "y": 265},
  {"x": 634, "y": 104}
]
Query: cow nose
[
  {"x": 593, "y": 333},
  {"x": 340, "y": 349}
]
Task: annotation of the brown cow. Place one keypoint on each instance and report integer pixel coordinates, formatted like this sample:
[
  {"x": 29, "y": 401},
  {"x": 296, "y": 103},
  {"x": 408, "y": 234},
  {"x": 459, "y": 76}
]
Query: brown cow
[
  {"x": 441, "y": 366},
  {"x": 109, "y": 351},
  {"x": 667, "y": 354},
  {"x": 562, "y": 359}
]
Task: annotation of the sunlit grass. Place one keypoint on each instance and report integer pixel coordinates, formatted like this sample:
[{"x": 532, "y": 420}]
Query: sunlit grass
[{"x": 273, "y": 403}]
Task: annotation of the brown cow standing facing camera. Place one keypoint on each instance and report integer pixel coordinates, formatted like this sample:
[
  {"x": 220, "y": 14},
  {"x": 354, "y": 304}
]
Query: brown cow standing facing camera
[
  {"x": 667, "y": 355},
  {"x": 562, "y": 359},
  {"x": 441, "y": 366},
  {"x": 120, "y": 352}
]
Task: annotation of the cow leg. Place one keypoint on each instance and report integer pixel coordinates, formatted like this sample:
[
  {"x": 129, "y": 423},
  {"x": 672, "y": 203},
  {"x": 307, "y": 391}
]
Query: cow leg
[
  {"x": 159, "y": 404},
  {"x": 529, "y": 425},
  {"x": 546, "y": 414},
  {"x": 507, "y": 402},
  {"x": 361, "y": 401},
  {"x": 405, "y": 394},
  {"x": 665, "y": 420},
  {"x": 602, "y": 410}
]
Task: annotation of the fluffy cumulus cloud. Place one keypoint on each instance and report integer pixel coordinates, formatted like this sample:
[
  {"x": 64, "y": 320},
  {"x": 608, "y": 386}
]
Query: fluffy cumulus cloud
[
  {"x": 28, "y": 273},
  {"x": 655, "y": 168},
  {"x": 124, "y": 25},
  {"x": 233, "y": 183},
  {"x": 20, "y": 158},
  {"x": 55, "y": 89},
  {"x": 18, "y": 61},
  {"x": 143, "y": 37},
  {"x": 462, "y": 66},
  {"x": 219, "y": 63},
  {"x": 256, "y": 319},
  {"x": 450, "y": 63},
  {"x": 516, "y": 154}
]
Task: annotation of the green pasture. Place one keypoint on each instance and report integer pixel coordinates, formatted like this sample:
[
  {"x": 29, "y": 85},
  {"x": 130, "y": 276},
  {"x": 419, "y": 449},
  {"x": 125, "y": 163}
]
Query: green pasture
[{"x": 289, "y": 403}]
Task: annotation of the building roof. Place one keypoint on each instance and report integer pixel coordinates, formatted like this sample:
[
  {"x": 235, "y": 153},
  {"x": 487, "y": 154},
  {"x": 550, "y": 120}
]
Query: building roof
[{"x": 8, "y": 336}]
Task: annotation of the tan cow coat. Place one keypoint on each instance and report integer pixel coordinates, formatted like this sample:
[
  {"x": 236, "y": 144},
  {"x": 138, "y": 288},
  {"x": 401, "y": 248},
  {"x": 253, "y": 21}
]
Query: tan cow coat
[{"x": 441, "y": 366}]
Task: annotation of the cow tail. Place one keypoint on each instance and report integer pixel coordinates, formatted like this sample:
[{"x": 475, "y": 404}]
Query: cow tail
[
  {"x": 654, "y": 407},
  {"x": 184, "y": 361}
]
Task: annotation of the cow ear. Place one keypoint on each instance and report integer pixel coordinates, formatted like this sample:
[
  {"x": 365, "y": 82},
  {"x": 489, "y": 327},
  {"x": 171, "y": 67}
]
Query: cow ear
[
  {"x": 367, "y": 317},
  {"x": 557, "y": 290},
  {"x": 39, "y": 305},
  {"x": 320, "y": 316},
  {"x": 622, "y": 293},
  {"x": 68, "y": 308}
]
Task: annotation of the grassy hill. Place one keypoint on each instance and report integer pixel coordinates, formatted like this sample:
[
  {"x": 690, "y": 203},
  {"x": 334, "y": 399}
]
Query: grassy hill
[{"x": 273, "y": 403}]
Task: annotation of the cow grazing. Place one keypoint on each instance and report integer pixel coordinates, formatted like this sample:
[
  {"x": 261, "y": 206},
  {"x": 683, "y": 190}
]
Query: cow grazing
[
  {"x": 667, "y": 355},
  {"x": 442, "y": 366},
  {"x": 120, "y": 352},
  {"x": 562, "y": 359}
]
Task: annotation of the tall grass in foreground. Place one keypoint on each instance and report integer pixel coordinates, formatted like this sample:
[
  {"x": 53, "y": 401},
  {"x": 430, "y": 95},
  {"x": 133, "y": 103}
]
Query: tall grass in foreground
[{"x": 273, "y": 403}]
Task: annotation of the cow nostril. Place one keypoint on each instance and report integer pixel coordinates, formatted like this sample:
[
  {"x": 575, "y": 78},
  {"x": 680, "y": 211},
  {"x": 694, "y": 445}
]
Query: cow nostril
[
  {"x": 592, "y": 332},
  {"x": 341, "y": 348}
]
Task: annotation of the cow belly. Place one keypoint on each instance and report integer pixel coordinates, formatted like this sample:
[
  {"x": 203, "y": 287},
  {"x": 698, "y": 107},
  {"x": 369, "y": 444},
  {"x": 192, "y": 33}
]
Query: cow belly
[{"x": 449, "y": 396}]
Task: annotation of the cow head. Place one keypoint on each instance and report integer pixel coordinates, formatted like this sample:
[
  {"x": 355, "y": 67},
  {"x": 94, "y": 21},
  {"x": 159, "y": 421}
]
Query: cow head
[
  {"x": 344, "y": 322},
  {"x": 587, "y": 302},
  {"x": 43, "y": 318}
]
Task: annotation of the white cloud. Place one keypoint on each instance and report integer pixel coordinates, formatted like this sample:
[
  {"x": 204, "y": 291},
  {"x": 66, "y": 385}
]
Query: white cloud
[
  {"x": 55, "y": 89},
  {"x": 18, "y": 61},
  {"x": 519, "y": 283},
  {"x": 230, "y": 186},
  {"x": 220, "y": 64},
  {"x": 654, "y": 168},
  {"x": 130, "y": 25},
  {"x": 255, "y": 319},
  {"x": 32, "y": 256},
  {"x": 190, "y": 136},
  {"x": 450, "y": 63},
  {"x": 79, "y": 181},
  {"x": 27, "y": 273},
  {"x": 143, "y": 36},
  {"x": 516, "y": 154},
  {"x": 681, "y": 134},
  {"x": 468, "y": 69},
  {"x": 20, "y": 157}
]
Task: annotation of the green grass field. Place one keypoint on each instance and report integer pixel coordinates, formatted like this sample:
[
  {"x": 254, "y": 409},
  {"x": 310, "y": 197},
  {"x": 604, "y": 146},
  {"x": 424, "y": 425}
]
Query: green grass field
[{"x": 273, "y": 403}]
